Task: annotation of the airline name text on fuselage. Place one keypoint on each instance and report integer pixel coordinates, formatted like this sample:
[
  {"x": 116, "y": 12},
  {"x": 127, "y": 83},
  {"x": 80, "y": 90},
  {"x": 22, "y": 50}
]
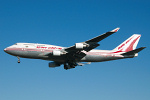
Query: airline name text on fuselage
[{"x": 41, "y": 47}]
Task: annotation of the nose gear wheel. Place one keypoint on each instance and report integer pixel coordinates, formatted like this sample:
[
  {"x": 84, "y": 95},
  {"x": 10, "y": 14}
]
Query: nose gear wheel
[{"x": 18, "y": 59}]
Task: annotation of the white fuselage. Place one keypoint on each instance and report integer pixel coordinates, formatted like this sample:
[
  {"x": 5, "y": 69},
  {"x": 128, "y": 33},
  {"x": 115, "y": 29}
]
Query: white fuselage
[{"x": 44, "y": 51}]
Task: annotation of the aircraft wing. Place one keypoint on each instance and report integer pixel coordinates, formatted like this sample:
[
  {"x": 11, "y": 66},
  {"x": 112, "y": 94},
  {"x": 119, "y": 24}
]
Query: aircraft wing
[
  {"x": 74, "y": 52},
  {"x": 90, "y": 44}
]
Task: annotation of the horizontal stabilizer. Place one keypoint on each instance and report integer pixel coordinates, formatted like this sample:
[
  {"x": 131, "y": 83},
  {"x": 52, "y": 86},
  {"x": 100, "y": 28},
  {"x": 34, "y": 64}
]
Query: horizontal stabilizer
[{"x": 134, "y": 51}]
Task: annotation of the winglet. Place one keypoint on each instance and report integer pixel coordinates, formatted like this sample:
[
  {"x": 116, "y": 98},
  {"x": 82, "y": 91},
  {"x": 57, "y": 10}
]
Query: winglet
[{"x": 115, "y": 30}]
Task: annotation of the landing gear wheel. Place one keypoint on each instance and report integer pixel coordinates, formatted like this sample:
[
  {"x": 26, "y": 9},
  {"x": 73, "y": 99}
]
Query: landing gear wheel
[{"x": 18, "y": 59}]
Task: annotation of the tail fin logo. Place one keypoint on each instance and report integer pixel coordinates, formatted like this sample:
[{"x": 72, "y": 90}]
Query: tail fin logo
[
  {"x": 129, "y": 44},
  {"x": 124, "y": 44}
]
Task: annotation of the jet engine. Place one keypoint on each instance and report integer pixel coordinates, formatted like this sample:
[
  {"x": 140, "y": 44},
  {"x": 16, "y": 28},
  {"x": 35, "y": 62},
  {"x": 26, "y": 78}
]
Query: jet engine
[
  {"x": 53, "y": 64},
  {"x": 56, "y": 53},
  {"x": 80, "y": 45}
]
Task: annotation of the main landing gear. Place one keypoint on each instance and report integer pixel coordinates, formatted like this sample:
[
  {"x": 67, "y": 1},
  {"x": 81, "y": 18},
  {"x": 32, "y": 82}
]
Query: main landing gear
[
  {"x": 18, "y": 59},
  {"x": 69, "y": 65}
]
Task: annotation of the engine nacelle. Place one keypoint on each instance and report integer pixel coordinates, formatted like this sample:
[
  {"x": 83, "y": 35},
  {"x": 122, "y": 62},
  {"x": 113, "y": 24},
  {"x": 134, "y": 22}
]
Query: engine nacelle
[
  {"x": 80, "y": 45},
  {"x": 53, "y": 64},
  {"x": 56, "y": 53}
]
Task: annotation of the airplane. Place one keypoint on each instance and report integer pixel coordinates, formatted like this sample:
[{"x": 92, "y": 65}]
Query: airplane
[{"x": 75, "y": 55}]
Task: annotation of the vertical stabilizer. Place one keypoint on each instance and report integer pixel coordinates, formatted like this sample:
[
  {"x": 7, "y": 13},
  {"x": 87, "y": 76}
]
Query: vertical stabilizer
[{"x": 129, "y": 44}]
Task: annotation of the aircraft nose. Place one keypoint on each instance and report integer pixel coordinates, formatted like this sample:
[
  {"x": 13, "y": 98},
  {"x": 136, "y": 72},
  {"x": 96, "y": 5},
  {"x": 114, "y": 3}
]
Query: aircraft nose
[
  {"x": 8, "y": 50},
  {"x": 5, "y": 49}
]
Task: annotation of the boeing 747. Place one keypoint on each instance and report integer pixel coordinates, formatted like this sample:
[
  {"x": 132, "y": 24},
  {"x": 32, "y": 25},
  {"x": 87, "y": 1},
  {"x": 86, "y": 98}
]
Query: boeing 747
[{"x": 73, "y": 56}]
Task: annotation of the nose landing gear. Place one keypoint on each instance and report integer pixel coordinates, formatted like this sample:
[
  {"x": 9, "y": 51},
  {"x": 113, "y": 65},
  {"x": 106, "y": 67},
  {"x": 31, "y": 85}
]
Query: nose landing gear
[{"x": 18, "y": 59}]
